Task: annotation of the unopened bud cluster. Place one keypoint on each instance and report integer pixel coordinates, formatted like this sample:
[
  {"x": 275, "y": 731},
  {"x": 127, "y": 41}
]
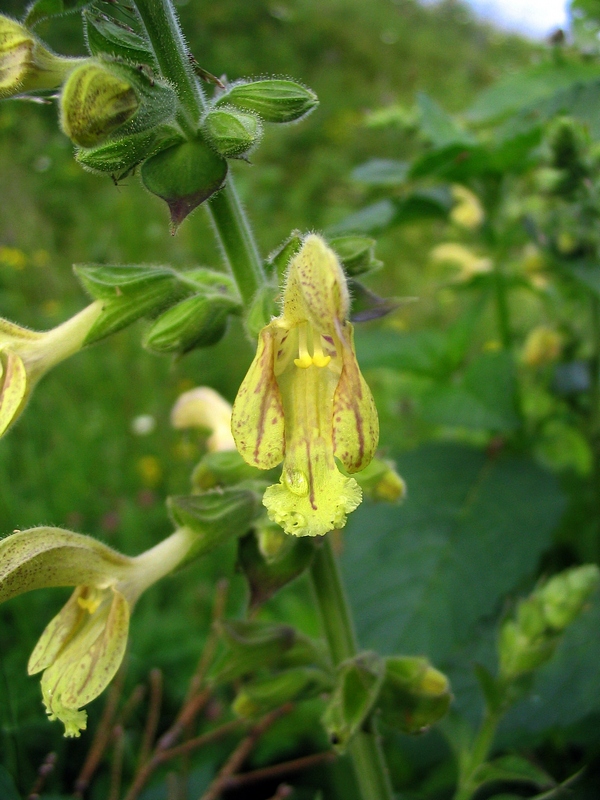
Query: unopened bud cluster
[{"x": 529, "y": 639}]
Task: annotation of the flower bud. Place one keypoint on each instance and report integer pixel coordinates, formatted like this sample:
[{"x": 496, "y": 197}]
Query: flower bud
[
  {"x": 358, "y": 684},
  {"x": 184, "y": 176},
  {"x": 380, "y": 481},
  {"x": 25, "y": 64},
  {"x": 129, "y": 293},
  {"x": 261, "y": 696},
  {"x": 529, "y": 639},
  {"x": 118, "y": 157},
  {"x": 414, "y": 695},
  {"x": 204, "y": 408},
  {"x": 231, "y": 132},
  {"x": 198, "y": 321},
  {"x": 356, "y": 254},
  {"x": 223, "y": 467},
  {"x": 214, "y": 516},
  {"x": 94, "y": 102},
  {"x": 274, "y": 100}
]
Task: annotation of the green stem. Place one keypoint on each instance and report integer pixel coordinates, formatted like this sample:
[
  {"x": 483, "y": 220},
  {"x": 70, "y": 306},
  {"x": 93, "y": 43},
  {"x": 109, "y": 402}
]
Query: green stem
[
  {"x": 478, "y": 755},
  {"x": 231, "y": 225},
  {"x": 365, "y": 748}
]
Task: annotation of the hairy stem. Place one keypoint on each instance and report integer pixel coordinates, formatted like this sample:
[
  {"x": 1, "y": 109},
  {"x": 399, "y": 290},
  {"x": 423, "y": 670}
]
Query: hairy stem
[
  {"x": 478, "y": 755},
  {"x": 365, "y": 748},
  {"x": 231, "y": 225}
]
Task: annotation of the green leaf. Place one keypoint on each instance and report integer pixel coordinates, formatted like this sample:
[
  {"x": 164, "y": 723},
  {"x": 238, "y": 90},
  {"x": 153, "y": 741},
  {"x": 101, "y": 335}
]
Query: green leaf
[
  {"x": 265, "y": 578},
  {"x": 381, "y": 172},
  {"x": 425, "y": 574},
  {"x": 215, "y": 516},
  {"x": 526, "y": 87},
  {"x": 369, "y": 219},
  {"x": 43, "y": 9},
  {"x": 421, "y": 352},
  {"x": 106, "y": 35},
  {"x": 438, "y": 126},
  {"x": 485, "y": 398},
  {"x": 358, "y": 684},
  {"x": 512, "y": 769},
  {"x": 8, "y": 790}
]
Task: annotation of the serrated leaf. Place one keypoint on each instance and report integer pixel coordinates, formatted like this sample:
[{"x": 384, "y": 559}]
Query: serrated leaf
[{"x": 470, "y": 529}]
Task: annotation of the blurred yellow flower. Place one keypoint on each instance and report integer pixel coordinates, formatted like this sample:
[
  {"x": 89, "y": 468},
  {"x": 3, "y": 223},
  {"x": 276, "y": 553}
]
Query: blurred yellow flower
[
  {"x": 467, "y": 211},
  {"x": 460, "y": 256},
  {"x": 204, "y": 408},
  {"x": 150, "y": 470},
  {"x": 542, "y": 346},
  {"x": 13, "y": 257}
]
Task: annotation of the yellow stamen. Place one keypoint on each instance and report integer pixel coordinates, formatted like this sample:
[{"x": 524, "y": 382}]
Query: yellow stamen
[
  {"x": 319, "y": 358},
  {"x": 304, "y": 361},
  {"x": 90, "y": 603}
]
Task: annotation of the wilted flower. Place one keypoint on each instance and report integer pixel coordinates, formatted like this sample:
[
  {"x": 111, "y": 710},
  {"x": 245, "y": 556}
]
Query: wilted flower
[
  {"x": 25, "y": 356},
  {"x": 83, "y": 646},
  {"x": 467, "y": 212},
  {"x": 304, "y": 400},
  {"x": 204, "y": 408}
]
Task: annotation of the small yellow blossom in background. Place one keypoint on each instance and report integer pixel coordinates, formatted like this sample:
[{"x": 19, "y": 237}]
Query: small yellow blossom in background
[
  {"x": 468, "y": 211},
  {"x": 149, "y": 470},
  {"x": 533, "y": 265},
  {"x": 542, "y": 346},
  {"x": 204, "y": 408},
  {"x": 566, "y": 243},
  {"x": 492, "y": 346},
  {"x": 13, "y": 257},
  {"x": 460, "y": 256}
]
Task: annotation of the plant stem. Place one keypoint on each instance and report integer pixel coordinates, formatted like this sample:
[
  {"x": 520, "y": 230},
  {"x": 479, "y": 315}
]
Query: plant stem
[
  {"x": 365, "y": 748},
  {"x": 478, "y": 755},
  {"x": 231, "y": 225}
]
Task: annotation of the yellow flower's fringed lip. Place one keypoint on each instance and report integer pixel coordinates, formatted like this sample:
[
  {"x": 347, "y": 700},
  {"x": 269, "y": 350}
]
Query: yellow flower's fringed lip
[
  {"x": 305, "y": 401},
  {"x": 80, "y": 651}
]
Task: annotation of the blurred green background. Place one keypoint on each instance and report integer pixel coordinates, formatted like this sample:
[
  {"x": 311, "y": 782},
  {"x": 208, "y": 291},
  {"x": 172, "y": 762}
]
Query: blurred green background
[{"x": 432, "y": 576}]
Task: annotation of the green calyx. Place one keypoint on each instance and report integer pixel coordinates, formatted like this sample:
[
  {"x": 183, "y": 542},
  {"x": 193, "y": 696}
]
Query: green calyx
[{"x": 184, "y": 176}]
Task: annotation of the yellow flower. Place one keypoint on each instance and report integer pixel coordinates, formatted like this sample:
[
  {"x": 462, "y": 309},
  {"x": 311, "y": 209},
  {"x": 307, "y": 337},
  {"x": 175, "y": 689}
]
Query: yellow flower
[
  {"x": 25, "y": 356},
  {"x": 542, "y": 346},
  {"x": 83, "y": 646},
  {"x": 467, "y": 212},
  {"x": 204, "y": 408},
  {"x": 25, "y": 64},
  {"x": 305, "y": 402},
  {"x": 468, "y": 263}
]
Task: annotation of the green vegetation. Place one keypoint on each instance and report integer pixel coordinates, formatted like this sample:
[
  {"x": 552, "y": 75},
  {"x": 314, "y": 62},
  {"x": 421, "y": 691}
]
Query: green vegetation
[{"x": 472, "y": 158}]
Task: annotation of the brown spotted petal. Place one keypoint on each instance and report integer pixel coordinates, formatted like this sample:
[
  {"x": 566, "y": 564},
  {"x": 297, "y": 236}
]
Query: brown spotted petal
[
  {"x": 355, "y": 421},
  {"x": 257, "y": 416}
]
